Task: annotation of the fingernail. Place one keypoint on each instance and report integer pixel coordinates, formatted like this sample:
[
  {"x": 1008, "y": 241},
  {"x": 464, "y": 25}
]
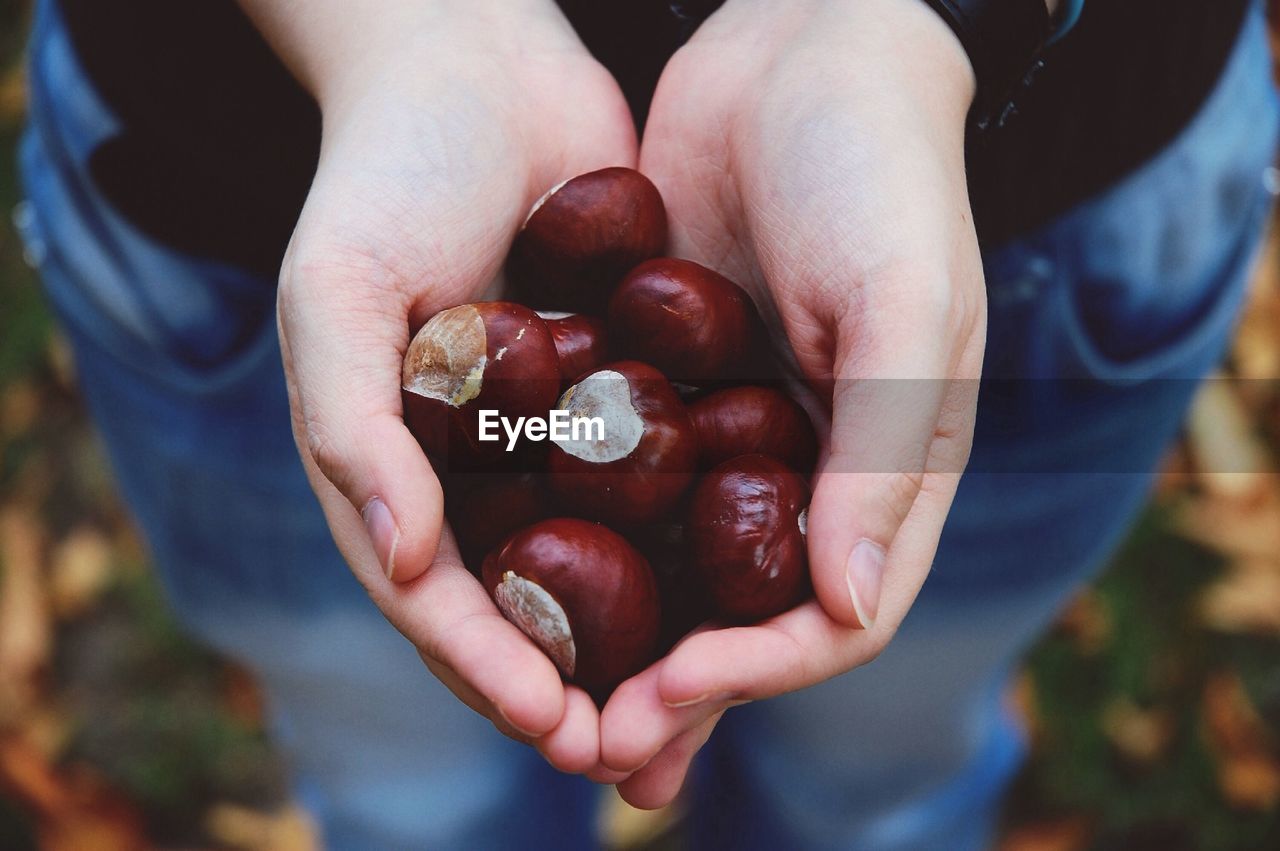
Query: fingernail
[
  {"x": 513, "y": 725},
  {"x": 383, "y": 533},
  {"x": 702, "y": 698},
  {"x": 864, "y": 574}
]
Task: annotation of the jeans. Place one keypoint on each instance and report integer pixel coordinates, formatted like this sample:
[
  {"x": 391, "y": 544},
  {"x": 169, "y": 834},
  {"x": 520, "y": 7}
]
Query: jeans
[{"x": 1101, "y": 321}]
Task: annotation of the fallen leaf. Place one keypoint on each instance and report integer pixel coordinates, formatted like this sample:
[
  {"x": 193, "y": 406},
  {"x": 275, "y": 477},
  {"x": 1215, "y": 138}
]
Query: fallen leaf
[
  {"x": 288, "y": 829},
  {"x": 1087, "y": 622},
  {"x": 73, "y": 809},
  {"x": 1250, "y": 782},
  {"x": 1139, "y": 735},
  {"x": 1255, "y": 352},
  {"x": 623, "y": 826},
  {"x": 63, "y": 362},
  {"x": 13, "y": 93},
  {"x": 1176, "y": 473},
  {"x": 1248, "y": 769},
  {"x": 1233, "y": 723},
  {"x": 80, "y": 570},
  {"x": 19, "y": 408},
  {"x": 1243, "y": 532},
  {"x": 242, "y": 696},
  {"x": 1067, "y": 834},
  {"x": 1020, "y": 699},
  {"x": 1246, "y": 599},
  {"x": 1231, "y": 460},
  {"x": 25, "y": 630}
]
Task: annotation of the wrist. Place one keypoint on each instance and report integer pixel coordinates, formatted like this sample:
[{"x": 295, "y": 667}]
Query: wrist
[
  {"x": 342, "y": 50},
  {"x": 925, "y": 54}
]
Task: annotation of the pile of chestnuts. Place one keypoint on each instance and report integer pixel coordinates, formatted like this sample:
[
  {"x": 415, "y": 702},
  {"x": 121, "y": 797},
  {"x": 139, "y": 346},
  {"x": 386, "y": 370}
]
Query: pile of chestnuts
[{"x": 625, "y": 470}]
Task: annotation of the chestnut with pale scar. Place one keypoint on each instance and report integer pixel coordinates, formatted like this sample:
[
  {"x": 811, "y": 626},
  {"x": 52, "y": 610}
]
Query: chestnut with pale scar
[
  {"x": 583, "y": 594},
  {"x": 569, "y": 455}
]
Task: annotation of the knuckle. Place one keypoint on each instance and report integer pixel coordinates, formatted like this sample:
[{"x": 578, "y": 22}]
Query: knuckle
[
  {"x": 899, "y": 493},
  {"x": 325, "y": 451}
]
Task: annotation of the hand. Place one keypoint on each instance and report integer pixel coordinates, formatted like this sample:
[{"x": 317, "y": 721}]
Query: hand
[
  {"x": 443, "y": 122},
  {"x": 816, "y": 156}
]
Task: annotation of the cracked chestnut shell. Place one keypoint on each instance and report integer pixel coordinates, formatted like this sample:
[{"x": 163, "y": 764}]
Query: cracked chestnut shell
[
  {"x": 647, "y": 457},
  {"x": 749, "y": 419},
  {"x": 584, "y": 595},
  {"x": 692, "y": 323},
  {"x": 746, "y": 533},
  {"x": 583, "y": 236},
  {"x": 494, "y": 355},
  {"x": 580, "y": 342}
]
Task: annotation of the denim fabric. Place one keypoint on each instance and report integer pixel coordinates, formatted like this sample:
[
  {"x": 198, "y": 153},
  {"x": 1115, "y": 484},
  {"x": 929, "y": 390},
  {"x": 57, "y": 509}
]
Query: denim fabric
[{"x": 1132, "y": 296}]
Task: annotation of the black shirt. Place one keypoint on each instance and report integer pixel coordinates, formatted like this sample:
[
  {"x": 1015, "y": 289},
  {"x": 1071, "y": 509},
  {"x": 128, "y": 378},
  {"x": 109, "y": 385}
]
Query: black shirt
[{"x": 220, "y": 143}]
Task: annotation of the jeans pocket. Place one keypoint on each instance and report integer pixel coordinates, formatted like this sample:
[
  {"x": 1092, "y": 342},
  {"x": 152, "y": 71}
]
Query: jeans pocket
[
  {"x": 1159, "y": 305},
  {"x": 190, "y": 322},
  {"x": 1150, "y": 276}
]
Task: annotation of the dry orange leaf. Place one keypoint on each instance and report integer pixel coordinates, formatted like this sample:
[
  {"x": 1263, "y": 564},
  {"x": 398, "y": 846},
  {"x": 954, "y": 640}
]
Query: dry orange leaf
[
  {"x": 73, "y": 810},
  {"x": 1140, "y": 735},
  {"x": 19, "y": 408},
  {"x": 623, "y": 826},
  {"x": 1087, "y": 622},
  {"x": 1245, "y": 600},
  {"x": 1231, "y": 460},
  {"x": 25, "y": 630},
  {"x": 1256, "y": 350},
  {"x": 1248, "y": 769},
  {"x": 1242, "y": 532},
  {"x": 289, "y": 829},
  {"x": 80, "y": 570},
  {"x": 1250, "y": 782},
  {"x": 1069, "y": 834}
]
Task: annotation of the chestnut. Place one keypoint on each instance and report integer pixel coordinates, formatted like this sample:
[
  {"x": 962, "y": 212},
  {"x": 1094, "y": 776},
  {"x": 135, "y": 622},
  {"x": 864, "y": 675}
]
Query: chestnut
[
  {"x": 747, "y": 537},
  {"x": 487, "y": 356},
  {"x": 582, "y": 236},
  {"x": 583, "y": 595},
  {"x": 645, "y": 453},
  {"x": 484, "y": 508},
  {"x": 751, "y": 419},
  {"x": 683, "y": 599},
  {"x": 693, "y": 324},
  {"x": 580, "y": 342}
]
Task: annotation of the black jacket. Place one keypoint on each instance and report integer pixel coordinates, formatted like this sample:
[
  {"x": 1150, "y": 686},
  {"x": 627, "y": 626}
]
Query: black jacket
[{"x": 220, "y": 144}]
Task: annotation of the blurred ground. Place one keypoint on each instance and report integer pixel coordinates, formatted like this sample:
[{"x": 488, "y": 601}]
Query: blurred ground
[{"x": 1154, "y": 704}]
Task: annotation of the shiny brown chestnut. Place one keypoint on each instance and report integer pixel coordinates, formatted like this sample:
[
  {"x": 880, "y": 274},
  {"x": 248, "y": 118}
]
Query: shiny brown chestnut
[
  {"x": 646, "y": 457},
  {"x": 483, "y": 509},
  {"x": 690, "y": 322},
  {"x": 580, "y": 342},
  {"x": 493, "y": 355},
  {"x": 584, "y": 595},
  {"x": 684, "y": 600},
  {"x": 746, "y": 532},
  {"x": 582, "y": 237},
  {"x": 750, "y": 419}
]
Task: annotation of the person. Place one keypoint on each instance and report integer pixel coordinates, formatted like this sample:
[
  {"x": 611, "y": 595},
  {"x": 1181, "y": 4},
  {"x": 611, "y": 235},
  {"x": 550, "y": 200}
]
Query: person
[{"x": 1086, "y": 261}]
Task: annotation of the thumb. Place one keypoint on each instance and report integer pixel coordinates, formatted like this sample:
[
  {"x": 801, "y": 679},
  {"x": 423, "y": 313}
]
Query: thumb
[
  {"x": 887, "y": 401},
  {"x": 342, "y": 350}
]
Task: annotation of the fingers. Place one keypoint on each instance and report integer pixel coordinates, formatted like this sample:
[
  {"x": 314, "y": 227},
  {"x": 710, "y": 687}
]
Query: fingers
[
  {"x": 447, "y": 615},
  {"x": 793, "y": 650},
  {"x": 892, "y": 364},
  {"x": 573, "y": 745},
  {"x": 636, "y": 724},
  {"x": 658, "y": 783},
  {"x": 342, "y": 339},
  {"x": 805, "y": 646}
]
